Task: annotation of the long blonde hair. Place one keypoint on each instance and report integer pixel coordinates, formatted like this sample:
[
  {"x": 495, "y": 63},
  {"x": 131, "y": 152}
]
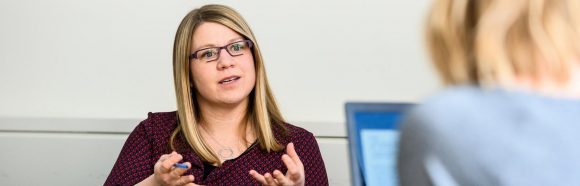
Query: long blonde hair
[
  {"x": 263, "y": 113},
  {"x": 492, "y": 42}
]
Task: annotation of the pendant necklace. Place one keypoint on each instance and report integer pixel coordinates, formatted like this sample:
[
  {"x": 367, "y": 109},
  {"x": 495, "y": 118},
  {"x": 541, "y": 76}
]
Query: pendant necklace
[{"x": 226, "y": 153}]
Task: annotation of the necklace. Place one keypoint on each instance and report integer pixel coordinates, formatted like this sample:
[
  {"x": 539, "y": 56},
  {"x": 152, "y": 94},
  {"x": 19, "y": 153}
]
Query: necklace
[{"x": 226, "y": 153}]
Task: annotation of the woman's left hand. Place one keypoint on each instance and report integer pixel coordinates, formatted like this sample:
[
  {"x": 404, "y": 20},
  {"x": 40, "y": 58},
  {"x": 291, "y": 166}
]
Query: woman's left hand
[{"x": 294, "y": 176}]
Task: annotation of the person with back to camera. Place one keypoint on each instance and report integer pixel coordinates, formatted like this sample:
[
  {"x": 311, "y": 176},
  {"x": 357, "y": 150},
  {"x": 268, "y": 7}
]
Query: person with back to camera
[
  {"x": 227, "y": 129},
  {"x": 512, "y": 116}
]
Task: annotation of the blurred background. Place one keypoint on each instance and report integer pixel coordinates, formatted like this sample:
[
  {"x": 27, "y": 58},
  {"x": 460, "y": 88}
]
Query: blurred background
[{"x": 76, "y": 76}]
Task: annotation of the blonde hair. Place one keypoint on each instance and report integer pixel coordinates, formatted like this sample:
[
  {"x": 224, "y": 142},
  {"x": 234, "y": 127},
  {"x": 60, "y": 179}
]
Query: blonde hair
[
  {"x": 263, "y": 113},
  {"x": 492, "y": 42}
]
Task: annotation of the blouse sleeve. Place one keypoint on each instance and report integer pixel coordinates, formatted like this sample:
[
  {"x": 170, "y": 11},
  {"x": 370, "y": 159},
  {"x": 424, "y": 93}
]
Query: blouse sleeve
[
  {"x": 413, "y": 149},
  {"x": 135, "y": 162},
  {"x": 307, "y": 148}
]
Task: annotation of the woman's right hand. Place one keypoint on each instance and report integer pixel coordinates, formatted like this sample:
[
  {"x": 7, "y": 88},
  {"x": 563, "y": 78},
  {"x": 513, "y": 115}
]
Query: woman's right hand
[{"x": 164, "y": 173}]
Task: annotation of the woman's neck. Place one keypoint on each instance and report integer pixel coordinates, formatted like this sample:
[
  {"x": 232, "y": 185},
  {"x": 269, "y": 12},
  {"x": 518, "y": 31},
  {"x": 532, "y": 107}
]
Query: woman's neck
[
  {"x": 223, "y": 119},
  {"x": 226, "y": 129},
  {"x": 553, "y": 88}
]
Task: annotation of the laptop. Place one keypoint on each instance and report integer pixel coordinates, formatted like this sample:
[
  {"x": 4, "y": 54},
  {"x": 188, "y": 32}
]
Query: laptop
[{"x": 373, "y": 135}]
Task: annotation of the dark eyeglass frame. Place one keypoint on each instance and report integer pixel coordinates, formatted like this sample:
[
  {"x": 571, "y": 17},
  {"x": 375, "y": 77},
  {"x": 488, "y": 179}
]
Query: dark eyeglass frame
[{"x": 219, "y": 49}]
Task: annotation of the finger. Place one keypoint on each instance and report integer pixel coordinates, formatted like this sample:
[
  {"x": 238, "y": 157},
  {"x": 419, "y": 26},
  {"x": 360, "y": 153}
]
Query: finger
[
  {"x": 190, "y": 183},
  {"x": 168, "y": 163},
  {"x": 163, "y": 157},
  {"x": 157, "y": 167},
  {"x": 293, "y": 169},
  {"x": 258, "y": 177},
  {"x": 269, "y": 179},
  {"x": 183, "y": 180},
  {"x": 280, "y": 178},
  {"x": 292, "y": 153},
  {"x": 177, "y": 172}
]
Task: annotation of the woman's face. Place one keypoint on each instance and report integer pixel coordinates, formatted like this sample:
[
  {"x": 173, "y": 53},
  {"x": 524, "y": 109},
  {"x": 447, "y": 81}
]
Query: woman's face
[{"x": 228, "y": 79}]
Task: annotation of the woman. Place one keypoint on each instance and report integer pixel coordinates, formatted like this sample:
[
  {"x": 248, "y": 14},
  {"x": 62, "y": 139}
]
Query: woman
[
  {"x": 227, "y": 129},
  {"x": 512, "y": 116}
]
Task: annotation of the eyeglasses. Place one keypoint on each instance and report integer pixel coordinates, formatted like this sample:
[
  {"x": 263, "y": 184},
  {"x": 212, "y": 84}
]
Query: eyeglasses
[{"x": 237, "y": 48}]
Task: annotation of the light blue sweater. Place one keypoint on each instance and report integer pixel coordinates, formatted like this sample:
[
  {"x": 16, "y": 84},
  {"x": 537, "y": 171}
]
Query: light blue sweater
[{"x": 470, "y": 136}]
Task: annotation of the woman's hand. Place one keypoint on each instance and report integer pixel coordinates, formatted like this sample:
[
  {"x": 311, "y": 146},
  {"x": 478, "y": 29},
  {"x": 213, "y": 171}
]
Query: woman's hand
[
  {"x": 294, "y": 176},
  {"x": 164, "y": 173}
]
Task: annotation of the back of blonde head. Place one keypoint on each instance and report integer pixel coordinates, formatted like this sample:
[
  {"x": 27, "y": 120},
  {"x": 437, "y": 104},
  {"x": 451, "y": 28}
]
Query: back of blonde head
[{"x": 494, "y": 42}]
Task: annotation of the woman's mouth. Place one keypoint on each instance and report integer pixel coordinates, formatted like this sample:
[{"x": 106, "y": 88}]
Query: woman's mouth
[{"x": 228, "y": 80}]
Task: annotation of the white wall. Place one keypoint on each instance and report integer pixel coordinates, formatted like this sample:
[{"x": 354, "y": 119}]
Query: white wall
[
  {"x": 80, "y": 61},
  {"x": 112, "y": 58}
]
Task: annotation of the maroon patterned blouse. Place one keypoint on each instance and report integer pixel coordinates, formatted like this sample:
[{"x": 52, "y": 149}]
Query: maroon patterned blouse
[{"x": 149, "y": 140}]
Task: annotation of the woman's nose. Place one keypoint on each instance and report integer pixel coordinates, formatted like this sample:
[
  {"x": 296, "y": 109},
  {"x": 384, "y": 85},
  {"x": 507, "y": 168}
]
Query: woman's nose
[{"x": 225, "y": 60}]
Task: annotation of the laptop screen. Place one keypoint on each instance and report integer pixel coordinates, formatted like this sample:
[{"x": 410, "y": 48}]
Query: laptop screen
[{"x": 373, "y": 138}]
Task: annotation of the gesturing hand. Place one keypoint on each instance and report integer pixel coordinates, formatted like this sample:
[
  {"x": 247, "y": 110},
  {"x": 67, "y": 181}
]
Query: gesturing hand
[
  {"x": 166, "y": 174},
  {"x": 294, "y": 176}
]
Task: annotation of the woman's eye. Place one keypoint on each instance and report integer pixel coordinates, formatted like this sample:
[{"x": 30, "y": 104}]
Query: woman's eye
[
  {"x": 236, "y": 47},
  {"x": 207, "y": 54}
]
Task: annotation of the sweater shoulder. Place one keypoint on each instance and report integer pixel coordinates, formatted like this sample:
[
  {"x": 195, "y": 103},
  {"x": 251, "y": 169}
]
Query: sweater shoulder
[{"x": 159, "y": 124}]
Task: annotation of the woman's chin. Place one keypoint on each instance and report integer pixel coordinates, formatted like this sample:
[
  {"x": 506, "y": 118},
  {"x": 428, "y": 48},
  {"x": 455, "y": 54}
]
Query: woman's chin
[{"x": 232, "y": 100}]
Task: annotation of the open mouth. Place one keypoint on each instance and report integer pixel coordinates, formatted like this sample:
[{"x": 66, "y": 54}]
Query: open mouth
[{"x": 229, "y": 79}]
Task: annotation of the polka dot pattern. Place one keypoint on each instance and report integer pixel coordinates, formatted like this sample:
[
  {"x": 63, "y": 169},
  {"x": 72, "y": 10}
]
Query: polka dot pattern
[{"x": 150, "y": 139}]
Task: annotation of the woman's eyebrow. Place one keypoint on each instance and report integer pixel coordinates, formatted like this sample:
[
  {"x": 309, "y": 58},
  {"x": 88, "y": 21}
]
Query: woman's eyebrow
[{"x": 213, "y": 45}]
